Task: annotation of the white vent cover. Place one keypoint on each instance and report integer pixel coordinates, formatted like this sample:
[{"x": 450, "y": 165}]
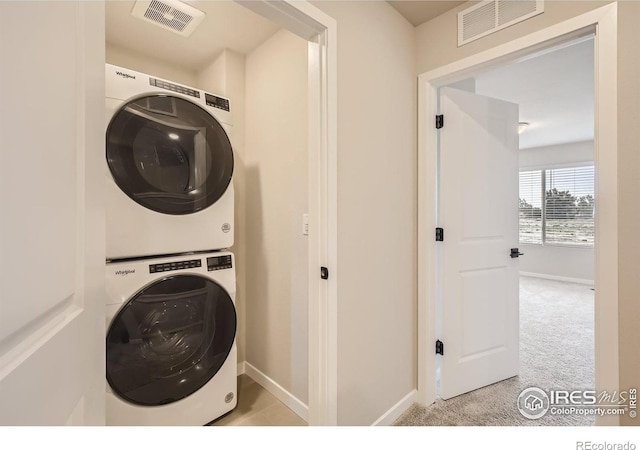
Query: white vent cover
[
  {"x": 171, "y": 15},
  {"x": 490, "y": 16}
]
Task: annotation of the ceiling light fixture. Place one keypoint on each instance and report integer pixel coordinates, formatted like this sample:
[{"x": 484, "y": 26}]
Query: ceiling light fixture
[{"x": 522, "y": 126}]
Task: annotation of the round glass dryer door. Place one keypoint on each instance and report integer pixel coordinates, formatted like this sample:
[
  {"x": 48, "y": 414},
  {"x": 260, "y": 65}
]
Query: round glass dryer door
[
  {"x": 169, "y": 154},
  {"x": 169, "y": 340}
]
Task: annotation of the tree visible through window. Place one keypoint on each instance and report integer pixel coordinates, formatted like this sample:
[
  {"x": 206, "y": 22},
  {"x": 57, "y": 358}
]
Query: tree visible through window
[{"x": 557, "y": 206}]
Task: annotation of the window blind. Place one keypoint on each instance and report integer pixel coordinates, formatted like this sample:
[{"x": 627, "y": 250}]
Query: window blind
[
  {"x": 530, "y": 227},
  {"x": 557, "y": 206},
  {"x": 569, "y": 206}
]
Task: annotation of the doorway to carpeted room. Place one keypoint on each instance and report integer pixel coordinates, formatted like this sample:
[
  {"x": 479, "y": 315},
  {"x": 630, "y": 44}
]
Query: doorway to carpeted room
[{"x": 556, "y": 352}]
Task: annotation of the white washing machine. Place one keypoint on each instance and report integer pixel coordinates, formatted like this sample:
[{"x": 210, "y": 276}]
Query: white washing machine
[
  {"x": 169, "y": 167},
  {"x": 171, "y": 351}
]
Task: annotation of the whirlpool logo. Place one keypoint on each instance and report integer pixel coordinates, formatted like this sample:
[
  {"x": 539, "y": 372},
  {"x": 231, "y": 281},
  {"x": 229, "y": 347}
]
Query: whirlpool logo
[
  {"x": 125, "y": 272},
  {"x": 125, "y": 75}
]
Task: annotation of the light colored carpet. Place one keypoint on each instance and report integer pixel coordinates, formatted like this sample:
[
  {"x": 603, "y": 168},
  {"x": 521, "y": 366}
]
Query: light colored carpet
[{"x": 556, "y": 352}]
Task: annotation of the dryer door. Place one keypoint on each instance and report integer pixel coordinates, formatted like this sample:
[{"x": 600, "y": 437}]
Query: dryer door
[
  {"x": 169, "y": 154},
  {"x": 169, "y": 340}
]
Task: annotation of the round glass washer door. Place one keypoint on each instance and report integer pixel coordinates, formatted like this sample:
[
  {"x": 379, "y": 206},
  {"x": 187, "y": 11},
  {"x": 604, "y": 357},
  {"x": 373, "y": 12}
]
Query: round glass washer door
[
  {"x": 169, "y": 154},
  {"x": 169, "y": 340}
]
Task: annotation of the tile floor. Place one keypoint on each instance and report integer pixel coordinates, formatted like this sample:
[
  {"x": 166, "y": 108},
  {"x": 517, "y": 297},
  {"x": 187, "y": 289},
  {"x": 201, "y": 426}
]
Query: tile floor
[{"x": 257, "y": 407}]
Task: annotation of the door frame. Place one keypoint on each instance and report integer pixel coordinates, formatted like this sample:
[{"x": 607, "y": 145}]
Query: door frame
[
  {"x": 320, "y": 30},
  {"x": 603, "y": 23}
]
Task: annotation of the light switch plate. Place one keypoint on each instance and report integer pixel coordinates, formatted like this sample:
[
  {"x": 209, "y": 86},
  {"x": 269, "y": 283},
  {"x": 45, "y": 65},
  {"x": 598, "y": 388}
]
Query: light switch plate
[{"x": 305, "y": 224}]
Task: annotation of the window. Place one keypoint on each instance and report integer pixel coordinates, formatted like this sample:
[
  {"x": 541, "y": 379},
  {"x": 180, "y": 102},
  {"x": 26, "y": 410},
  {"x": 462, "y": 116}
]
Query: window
[
  {"x": 557, "y": 206},
  {"x": 531, "y": 207}
]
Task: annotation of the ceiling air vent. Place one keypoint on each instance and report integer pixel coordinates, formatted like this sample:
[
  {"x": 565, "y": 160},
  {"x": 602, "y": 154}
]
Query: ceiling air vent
[
  {"x": 171, "y": 15},
  {"x": 490, "y": 16}
]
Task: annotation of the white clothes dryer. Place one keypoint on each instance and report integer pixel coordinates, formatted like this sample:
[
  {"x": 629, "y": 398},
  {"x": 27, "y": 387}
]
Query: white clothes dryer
[
  {"x": 171, "y": 351},
  {"x": 169, "y": 167}
]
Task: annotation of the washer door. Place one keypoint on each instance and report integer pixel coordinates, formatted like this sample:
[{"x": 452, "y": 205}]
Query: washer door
[
  {"x": 169, "y": 340},
  {"x": 169, "y": 154}
]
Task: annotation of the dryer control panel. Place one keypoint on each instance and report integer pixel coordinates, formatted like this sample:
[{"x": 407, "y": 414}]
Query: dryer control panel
[
  {"x": 217, "y": 102},
  {"x": 174, "y": 87},
  {"x": 177, "y": 265},
  {"x": 219, "y": 263}
]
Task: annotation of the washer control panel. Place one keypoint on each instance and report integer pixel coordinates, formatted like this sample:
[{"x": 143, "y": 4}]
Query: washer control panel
[
  {"x": 219, "y": 263},
  {"x": 177, "y": 265}
]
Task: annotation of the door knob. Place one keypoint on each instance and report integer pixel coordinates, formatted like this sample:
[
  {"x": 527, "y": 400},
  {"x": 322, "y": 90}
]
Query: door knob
[{"x": 515, "y": 253}]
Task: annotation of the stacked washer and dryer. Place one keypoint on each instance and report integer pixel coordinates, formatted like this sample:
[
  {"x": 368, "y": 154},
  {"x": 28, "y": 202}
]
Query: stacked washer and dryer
[{"x": 171, "y": 318}]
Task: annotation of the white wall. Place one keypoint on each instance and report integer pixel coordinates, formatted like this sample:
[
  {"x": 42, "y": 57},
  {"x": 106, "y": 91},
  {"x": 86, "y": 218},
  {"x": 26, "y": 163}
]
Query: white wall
[
  {"x": 276, "y": 197},
  {"x": 563, "y": 155},
  {"x": 377, "y": 209},
  {"x": 556, "y": 262},
  {"x": 130, "y": 59},
  {"x": 552, "y": 260},
  {"x": 213, "y": 76},
  {"x": 438, "y": 42}
]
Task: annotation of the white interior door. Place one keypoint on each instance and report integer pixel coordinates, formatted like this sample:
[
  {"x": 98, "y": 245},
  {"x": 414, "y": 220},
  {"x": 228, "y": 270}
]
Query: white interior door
[
  {"x": 51, "y": 213},
  {"x": 478, "y": 205}
]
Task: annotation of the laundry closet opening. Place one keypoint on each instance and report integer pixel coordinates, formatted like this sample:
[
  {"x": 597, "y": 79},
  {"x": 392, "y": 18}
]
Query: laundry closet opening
[{"x": 262, "y": 70}]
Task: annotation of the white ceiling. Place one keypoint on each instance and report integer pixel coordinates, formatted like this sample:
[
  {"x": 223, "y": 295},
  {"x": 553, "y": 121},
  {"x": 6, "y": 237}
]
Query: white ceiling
[
  {"x": 555, "y": 92},
  {"x": 419, "y": 11},
  {"x": 226, "y": 25}
]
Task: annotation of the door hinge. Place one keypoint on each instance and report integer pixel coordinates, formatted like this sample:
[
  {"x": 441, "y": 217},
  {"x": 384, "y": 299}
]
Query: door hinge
[
  {"x": 439, "y": 347},
  {"x": 439, "y": 234},
  {"x": 324, "y": 273},
  {"x": 439, "y": 121}
]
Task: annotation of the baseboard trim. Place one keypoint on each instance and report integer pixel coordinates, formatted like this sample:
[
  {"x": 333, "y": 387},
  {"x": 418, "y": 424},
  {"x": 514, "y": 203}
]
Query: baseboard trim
[
  {"x": 241, "y": 369},
  {"x": 557, "y": 278},
  {"x": 396, "y": 410},
  {"x": 291, "y": 401}
]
